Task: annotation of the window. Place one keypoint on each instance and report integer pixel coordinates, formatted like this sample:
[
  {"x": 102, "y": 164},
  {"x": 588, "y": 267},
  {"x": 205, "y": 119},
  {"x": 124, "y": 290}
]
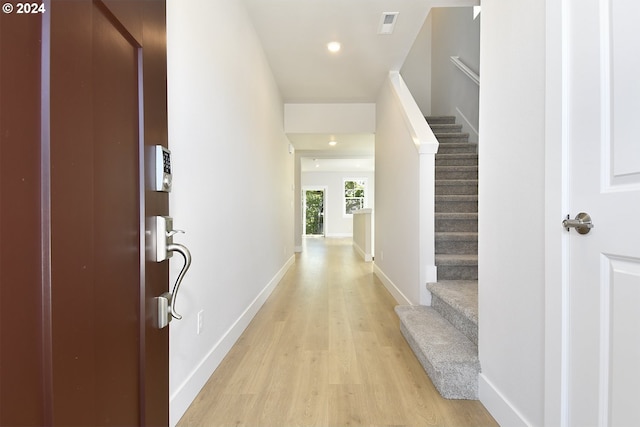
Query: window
[{"x": 354, "y": 194}]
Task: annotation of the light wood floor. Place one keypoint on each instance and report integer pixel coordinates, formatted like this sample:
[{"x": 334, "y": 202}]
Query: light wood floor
[{"x": 326, "y": 350}]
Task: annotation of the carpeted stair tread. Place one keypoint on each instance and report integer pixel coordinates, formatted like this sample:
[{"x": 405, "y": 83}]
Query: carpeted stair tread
[
  {"x": 457, "y": 172},
  {"x": 469, "y": 168},
  {"x": 457, "y": 266},
  {"x": 457, "y": 148},
  {"x": 456, "y": 242},
  {"x": 458, "y": 215},
  {"x": 445, "y": 127},
  {"x": 456, "y": 221},
  {"x": 444, "y": 336},
  {"x": 452, "y": 203},
  {"x": 449, "y": 137},
  {"x": 453, "y": 159},
  {"x": 456, "y": 235},
  {"x": 456, "y": 259},
  {"x": 460, "y": 295},
  {"x": 457, "y": 198},
  {"x": 447, "y": 355},
  {"x": 432, "y": 120},
  {"x": 456, "y": 186}
]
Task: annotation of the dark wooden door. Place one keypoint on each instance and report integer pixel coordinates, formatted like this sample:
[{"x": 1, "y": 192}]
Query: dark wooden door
[{"x": 102, "y": 81}]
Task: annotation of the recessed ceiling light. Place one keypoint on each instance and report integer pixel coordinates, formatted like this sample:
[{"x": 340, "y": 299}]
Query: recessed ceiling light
[
  {"x": 333, "y": 47},
  {"x": 333, "y": 143}
]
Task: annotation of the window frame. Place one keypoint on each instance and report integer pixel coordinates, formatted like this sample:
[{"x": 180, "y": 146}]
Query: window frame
[{"x": 365, "y": 198}]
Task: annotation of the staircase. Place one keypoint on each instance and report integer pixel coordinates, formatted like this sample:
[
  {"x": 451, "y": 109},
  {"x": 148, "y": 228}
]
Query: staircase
[{"x": 444, "y": 336}]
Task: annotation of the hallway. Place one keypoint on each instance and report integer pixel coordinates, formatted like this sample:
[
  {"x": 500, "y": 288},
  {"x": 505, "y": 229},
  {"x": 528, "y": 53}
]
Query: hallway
[{"x": 326, "y": 350}]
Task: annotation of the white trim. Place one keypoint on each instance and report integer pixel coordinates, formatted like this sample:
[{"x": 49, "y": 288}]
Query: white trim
[
  {"x": 556, "y": 317},
  {"x": 365, "y": 199},
  {"x": 367, "y": 257},
  {"x": 391, "y": 287},
  {"x": 497, "y": 404},
  {"x": 186, "y": 393},
  {"x": 423, "y": 138}
]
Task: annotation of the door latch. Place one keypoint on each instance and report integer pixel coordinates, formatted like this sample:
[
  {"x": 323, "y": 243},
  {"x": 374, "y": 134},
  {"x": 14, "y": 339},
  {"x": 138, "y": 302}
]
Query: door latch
[{"x": 582, "y": 223}]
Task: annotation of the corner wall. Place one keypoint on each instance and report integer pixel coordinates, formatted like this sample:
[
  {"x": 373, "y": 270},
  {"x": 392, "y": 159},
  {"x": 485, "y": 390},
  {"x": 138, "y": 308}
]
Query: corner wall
[
  {"x": 233, "y": 184},
  {"x": 397, "y": 204},
  {"x": 512, "y": 187}
]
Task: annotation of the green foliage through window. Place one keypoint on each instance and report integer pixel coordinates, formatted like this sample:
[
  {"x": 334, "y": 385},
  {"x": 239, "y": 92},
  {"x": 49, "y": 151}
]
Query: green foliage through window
[
  {"x": 353, "y": 195},
  {"x": 314, "y": 213}
]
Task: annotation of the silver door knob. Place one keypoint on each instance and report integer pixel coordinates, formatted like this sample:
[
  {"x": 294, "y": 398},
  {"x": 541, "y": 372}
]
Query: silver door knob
[{"x": 582, "y": 223}]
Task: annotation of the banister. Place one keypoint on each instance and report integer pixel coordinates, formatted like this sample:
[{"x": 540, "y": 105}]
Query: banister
[
  {"x": 422, "y": 135},
  {"x": 465, "y": 69}
]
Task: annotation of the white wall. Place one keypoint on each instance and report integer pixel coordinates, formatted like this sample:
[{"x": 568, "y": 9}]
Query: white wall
[
  {"x": 397, "y": 260},
  {"x": 336, "y": 224},
  {"x": 455, "y": 33},
  {"x": 512, "y": 188},
  {"x": 330, "y": 118},
  {"x": 233, "y": 183},
  {"x": 416, "y": 70}
]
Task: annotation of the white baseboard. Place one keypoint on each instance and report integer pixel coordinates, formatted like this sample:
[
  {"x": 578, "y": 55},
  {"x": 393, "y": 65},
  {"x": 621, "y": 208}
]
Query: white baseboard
[
  {"x": 365, "y": 256},
  {"x": 391, "y": 287},
  {"x": 498, "y": 405},
  {"x": 182, "y": 398}
]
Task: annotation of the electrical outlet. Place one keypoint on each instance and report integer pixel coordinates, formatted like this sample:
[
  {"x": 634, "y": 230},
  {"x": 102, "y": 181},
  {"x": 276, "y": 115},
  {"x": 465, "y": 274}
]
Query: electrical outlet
[{"x": 200, "y": 322}]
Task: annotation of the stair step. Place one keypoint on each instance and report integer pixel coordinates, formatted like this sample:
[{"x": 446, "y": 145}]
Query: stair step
[
  {"x": 446, "y": 354},
  {"x": 456, "y": 186},
  {"x": 457, "y": 148},
  {"x": 445, "y": 127},
  {"x": 459, "y": 159},
  {"x": 457, "y": 266},
  {"x": 456, "y": 203},
  {"x": 456, "y": 172},
  {"x": 457, "y": 301},
  {"x": 456, "y": 243},
  {"x": 451, "y": 137},
  {"x": 456, "y": 221},
  {"x": 432, "y": 120}
]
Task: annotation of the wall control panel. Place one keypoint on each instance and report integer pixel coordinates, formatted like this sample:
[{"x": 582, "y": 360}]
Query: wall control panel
[{"x": 162, "y": 159}]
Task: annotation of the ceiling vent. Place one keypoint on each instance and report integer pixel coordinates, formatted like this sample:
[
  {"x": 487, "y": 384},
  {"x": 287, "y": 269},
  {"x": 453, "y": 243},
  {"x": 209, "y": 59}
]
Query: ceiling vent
[{"x": 387, "y": 22}]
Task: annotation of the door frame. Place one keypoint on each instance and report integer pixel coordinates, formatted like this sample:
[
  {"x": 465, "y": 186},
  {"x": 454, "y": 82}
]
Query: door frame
[
  {"x": 324, "y": 190},
  {"x": 556, "y": 328}
]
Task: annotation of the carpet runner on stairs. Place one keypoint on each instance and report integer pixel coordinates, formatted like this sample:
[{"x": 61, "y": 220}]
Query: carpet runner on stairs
[{"x": 444, "y": 336}]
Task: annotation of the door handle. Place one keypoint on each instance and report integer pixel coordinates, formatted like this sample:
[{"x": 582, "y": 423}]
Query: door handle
[
  {"x": 163, "y": 248},
  {"x": 582, "y": 223},
  {"x": 182, "y": 250}
]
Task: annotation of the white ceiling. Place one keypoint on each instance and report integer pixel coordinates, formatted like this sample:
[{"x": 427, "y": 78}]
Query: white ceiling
[
  {"x": 323, "y": 164},
  {"x": 351, "y": 143},
  {"x": 295, "y": 34}
]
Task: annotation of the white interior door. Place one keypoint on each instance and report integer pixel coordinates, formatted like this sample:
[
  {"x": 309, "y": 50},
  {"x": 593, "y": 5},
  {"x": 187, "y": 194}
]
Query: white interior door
[{"x": 603, "y": 160}]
